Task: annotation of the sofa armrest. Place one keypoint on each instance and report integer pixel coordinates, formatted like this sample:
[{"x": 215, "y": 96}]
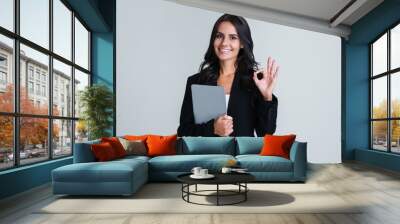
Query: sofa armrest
[
  {"x": 83, "y": 152},
  {"x": 298, "y": 155}
]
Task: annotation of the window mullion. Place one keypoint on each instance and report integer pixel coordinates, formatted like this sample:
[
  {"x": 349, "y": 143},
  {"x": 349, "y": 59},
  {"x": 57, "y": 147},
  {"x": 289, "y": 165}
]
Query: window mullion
[
  {"x": 73, "y": 81},
  {"x": 370, "y": 98},
  {"x": 389, "y": 113},
  {"x": 16, "y": 84},
  {"x": 50, "y": 81}
]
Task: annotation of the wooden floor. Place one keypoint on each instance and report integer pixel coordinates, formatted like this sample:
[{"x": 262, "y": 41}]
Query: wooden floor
[{"x": 377, "y": 188}]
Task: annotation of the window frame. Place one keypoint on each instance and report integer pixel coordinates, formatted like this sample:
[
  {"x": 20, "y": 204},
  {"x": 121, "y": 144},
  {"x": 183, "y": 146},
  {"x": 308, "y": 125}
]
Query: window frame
[
  {"x": 388, "y": 74},
  {"x": 16, "y": 114}
]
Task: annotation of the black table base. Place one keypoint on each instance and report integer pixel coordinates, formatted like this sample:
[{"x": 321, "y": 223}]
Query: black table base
[{"x": 241, "y": 191}]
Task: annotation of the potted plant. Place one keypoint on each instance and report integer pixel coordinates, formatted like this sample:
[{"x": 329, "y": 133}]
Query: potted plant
[{"x": 96, "y": 102}]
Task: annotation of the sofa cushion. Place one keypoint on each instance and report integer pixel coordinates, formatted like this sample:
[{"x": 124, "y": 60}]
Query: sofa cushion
[
  {"x": 249, "y": 145},
  {"x": 111, "y": 171},
  {"x": 257, "y": 163},
  {"x": 132, "y": 158},
  {"x": 185, "y": 163},
  {"x": 208, "y": 145}
]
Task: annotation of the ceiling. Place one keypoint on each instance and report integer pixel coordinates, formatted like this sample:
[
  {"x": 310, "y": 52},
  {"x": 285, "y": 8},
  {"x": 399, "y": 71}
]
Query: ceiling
[
  {"x": 326, "y": 16},
  {"x": 98, "y": 15},
  {"x": 318, "y": 9}
]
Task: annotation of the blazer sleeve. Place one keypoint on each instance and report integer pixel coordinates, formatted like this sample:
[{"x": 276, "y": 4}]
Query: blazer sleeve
[
  {"x": 266, "y": 113},
  {"x": 187, "y": 126}
]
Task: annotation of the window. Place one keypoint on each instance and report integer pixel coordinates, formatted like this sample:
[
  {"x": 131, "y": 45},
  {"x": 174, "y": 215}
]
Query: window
[
  {"x": 62, "y": 29},
  {"x": 3, "y": 72},
  {"x": 38, "y": 89},
  {"x": 30, "y": 87},
  {"x": 44, "y": 131},
  {"x": 30, "y": 72},
  {"x": 55, "y": 102},
  {"x": 33, "y": 149},
  {"x": 6, "y": 73},
  {"x": 7, "y": 14},
  {"x": 62, "y": 140},
  {"x": 37, "y": 75},
  {"x": 35, "y": 21},
  {"x": 81, "y": 81},
  {"x": 81, "y": 45},
  {"x": 385, "y": 91},
  {"x": 62, "y": 75},
  {"x": 3, "y": 61},
  {"x": 3, "y": 78},
  {"x": 6, "y": 142},
  {"x": 43, "y": 90}
]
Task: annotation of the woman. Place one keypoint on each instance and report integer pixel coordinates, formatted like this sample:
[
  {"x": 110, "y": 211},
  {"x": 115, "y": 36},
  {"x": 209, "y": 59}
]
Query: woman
[{"x": 229, "y": 62}]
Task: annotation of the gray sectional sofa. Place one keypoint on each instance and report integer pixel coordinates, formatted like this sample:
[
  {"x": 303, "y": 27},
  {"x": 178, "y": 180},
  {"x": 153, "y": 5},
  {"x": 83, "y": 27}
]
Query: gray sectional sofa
[{"x": 125, "y": 176}]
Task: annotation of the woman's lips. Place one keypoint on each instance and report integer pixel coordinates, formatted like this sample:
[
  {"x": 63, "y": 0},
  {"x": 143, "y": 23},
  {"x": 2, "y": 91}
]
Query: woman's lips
[{"x": 225, "y": 51}]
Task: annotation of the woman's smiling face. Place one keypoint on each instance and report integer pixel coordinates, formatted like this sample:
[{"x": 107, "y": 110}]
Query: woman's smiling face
[{"x": 226, "y": 42}]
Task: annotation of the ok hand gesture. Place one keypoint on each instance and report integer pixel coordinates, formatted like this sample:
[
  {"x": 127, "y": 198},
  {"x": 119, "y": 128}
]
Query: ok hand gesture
[{"x": 267, "y": 84}]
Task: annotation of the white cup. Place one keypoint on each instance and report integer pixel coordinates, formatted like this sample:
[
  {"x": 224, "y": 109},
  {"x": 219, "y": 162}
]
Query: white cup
[
  {"x": 203, "y": 172},
  {"x": 196, "y": 170},
  {"x": 226, "y": 170}
]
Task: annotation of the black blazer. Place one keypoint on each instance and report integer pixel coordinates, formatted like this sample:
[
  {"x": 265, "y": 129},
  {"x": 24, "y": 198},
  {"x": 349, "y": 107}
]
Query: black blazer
[{"x": 248, "y": 110}]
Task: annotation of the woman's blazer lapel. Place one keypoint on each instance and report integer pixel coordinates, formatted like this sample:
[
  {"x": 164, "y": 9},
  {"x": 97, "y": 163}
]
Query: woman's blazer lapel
[{"x": 232, "y": 104}]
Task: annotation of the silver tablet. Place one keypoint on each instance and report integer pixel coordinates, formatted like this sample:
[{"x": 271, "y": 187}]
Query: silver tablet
[{"x": 208, "y": 102}]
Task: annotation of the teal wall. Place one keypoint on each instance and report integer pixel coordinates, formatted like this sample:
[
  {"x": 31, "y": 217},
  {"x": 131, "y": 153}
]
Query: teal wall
[
  {"x": 103, "y": 63},
  {"x": 99, "y": 15},
  {"x": 102, "y": 58},
  {"x": 381, "y": 159},
  {"x": 103, "y": 51},
  {"x": 356, "y": 85}
]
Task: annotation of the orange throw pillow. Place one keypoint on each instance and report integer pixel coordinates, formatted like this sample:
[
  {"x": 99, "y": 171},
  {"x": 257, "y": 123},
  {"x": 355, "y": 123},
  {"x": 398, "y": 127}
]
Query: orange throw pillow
[
  {"x": 275, "y": 145},
  {"x": 161, "y": 145},
  {"x": 136, "y": 137},
  {"x": 116, "y": 145},
  {"x": 103, "y": 152}
]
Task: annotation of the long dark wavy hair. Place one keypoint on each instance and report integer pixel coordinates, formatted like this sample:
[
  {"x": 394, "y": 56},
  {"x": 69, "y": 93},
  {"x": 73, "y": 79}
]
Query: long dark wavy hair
[{"x": 245, "y": 63}]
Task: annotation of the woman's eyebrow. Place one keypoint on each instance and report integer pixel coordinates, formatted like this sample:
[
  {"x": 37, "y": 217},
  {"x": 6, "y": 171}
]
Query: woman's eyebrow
[{"x": 230, "y": 34}]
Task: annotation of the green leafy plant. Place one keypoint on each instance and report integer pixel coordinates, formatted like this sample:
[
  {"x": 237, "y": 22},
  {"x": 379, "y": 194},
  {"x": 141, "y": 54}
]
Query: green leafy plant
[{"x": 96, "y": 102}]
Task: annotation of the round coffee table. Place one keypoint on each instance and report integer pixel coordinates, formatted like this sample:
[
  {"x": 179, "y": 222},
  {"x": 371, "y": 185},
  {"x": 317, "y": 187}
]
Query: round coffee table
[{"x": 238, "y": 179}]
